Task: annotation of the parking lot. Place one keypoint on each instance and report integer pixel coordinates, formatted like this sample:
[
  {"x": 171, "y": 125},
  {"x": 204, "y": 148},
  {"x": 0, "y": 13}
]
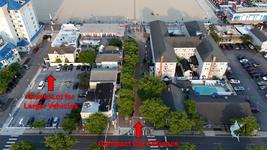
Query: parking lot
[
  {"x": 250, "y": 73},
  {"x": 65, "y": 83}
]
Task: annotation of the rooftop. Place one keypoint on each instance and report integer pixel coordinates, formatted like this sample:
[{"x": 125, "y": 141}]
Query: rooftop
[
  {"x": 117, "y": 29},
  {"x": 61, "y": 50},
  {"x": 208, "y": 49},
  {"x": 104, "y": 94},
  {"x": 221, "y": 109},
  {"x": 103, "y": 75},
  {"x": 13, "y": 4},
  {"x": 90, "y": 107},
  {"x": 195, "y": 27},
  {"x": 68, "y": 35},
  {"x": 160, "y": 47},
  {"x": 6, "y": 51},
  {"x": 227, "y": 30},
  {"x": 116, "y": 57},
  {"x": 259, "y": 34}
]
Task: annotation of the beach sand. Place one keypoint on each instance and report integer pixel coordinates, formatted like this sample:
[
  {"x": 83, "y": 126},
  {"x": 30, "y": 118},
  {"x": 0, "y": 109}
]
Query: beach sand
[{"x": 117, "y": 10}]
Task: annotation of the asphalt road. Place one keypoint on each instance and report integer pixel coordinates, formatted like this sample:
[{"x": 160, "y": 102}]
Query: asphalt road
[
  {"x": 252, "y": 91},
  {"x": 202, "y": 143}
]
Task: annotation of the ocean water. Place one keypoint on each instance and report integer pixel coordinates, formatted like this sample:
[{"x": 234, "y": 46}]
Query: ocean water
[{"x": 44, "y": 7}]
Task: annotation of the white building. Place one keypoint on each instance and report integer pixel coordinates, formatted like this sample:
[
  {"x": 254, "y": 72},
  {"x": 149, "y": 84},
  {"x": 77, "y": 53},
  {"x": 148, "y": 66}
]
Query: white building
[
  {"x": 8, "y": 54},
  {"x": 68, "y": 36},
  {"x": 66, "y": 54},
  {"x": 211, "y": 62},
  {"x": 18, "y": 21}
]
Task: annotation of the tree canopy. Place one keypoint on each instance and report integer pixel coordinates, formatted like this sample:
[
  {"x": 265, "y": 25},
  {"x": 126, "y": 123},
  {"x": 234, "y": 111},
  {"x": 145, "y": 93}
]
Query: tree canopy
[
  {"x": 38, "y": 124},
  {"x": 191, "y": 110},
  {"x": 250, "y": 125},
  {"x": 187, "y": 147},
  {"x": 179, "y": 122},
  {"x": 87, "y": 57},
  {"x": 151, "y": 87},
  {"x": 22, "y": 145},
  {"x": 154, "y": 111},
  {"x": 115, "y": 42},
  {"x": 68, "y": 124},
  {"x": 258, "y": 147},
  {"x": 96, "y": 123},
  {"x": 95, "y": 147},
  {"x": 6, "y": 76},
  {"x": 59, "y": 141}
]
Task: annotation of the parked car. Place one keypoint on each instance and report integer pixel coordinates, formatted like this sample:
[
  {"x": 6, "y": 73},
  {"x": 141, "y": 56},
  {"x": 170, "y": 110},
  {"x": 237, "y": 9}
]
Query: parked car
[
  {"x": 65, "y": 67},
  {"x": 41, "y": 101},
  {"x": 255, "y": 110},
  {"x": 49, "y": 122},
  {"x": 241, "y": 57},
  {"x": 70, "y": 67},
  {"x": 265, "y": 56},
  {"x": 239, "y": 88},
  {"x": 26, "y": 67},
  {"x": 30, "y": 121},
  {"x": 234, "y": 81},
  {"x": 75, "y": 86},
  {"x": 264, "y": 78},
  {"x": 263, "y": 87},
  {"x": 78, "y": 67},
  {"x": 83, "y": 68},
  {"x": 243, "y": 61},
  {"x": 256, "y": 75},
  {"x": 58, "y": 68},
  {"x": 251, "y": 46},
  {"x": 55, "y": 122},
  {"x": 260, "y": 83}
]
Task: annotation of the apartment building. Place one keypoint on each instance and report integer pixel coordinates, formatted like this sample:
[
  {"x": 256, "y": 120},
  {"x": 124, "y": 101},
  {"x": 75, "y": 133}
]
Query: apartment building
[
  {"x": 8, "y": 54},
  {"x": 166, "y": 52},
  {"x": 18, "y": 21}
]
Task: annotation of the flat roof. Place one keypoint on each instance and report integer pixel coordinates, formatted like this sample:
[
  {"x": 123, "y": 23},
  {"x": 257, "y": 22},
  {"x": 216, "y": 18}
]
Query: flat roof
[
  {"x": 103, "y": 75},
  {"x": 68, "y": 35},
  {"x": 90, "y": 107},
  {"x": 104, "y": 94},
  {"x": 227, "y": 30},
  {"x": 117, "y": 29},
  {"x": 116, "y": 57}
]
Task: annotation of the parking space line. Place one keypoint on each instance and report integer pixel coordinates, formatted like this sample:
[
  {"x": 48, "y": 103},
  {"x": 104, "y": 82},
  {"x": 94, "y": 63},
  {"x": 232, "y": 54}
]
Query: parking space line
[
  {"x": 10, "y": 142},
  {"x": 151, "y": 139},
  {"x": 7, "y": 145},
  {"x": 12, "y": 139}
]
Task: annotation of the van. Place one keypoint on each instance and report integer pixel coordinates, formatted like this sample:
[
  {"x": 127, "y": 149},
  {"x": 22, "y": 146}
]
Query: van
[{"x": 41, "y": 85}]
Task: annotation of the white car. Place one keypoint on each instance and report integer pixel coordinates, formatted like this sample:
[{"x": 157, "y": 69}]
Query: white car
[
  {"x": 250, "y": 46},
  {"x": 264, "y": 78},
  {"x": 243, "y": 61},
  {"x": 239, "y": 88},
  {"x": 55, "y": 122},
  {"x": 58, "y": 68},
  {"x": 265, "y": 56},
  {"x": 234, "y": 81}
]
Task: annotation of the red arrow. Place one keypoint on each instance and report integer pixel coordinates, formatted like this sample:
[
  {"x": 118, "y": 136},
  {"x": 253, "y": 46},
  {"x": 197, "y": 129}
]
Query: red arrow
[
  {"x": 50, "y": 80},
  {"x": 138, "y": 129}
]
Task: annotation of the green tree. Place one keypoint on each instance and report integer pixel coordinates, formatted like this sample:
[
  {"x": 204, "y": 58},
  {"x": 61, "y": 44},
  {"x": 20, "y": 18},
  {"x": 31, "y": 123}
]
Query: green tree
[
  {"x": 95, "y": 147},
  {"x": 178, "y": 122},
  {"x": 115, "y": 42},
  {"x": 191, "y": 110},
  {"x": 258, "y": 147},
  {"x": 67, "y": 60},
  {"x": 14, "y": 67},
  {"x": 6, "y": 77},
  {"x": 87, "y": 57},
  {"x": 75, "y": 114},
  {"x": 58, "y": 60},
  {"x": 84, "y": 80},
  {"x": 125, "y": 106},
  {"x": 59, "y": 141},
  {"x": 68, "y": 124},
  {"x": 38, "y": 124},
  {"x": 96, "y": 123},
  {"x": 22, "y": 145},
  {"x": 151, "y": 87},
  {"x": 187, "y": 147},
  {"x": 250, "y": 125},
  {"x": 154, "y": 111},
  {"x": 218, "y": 148}
]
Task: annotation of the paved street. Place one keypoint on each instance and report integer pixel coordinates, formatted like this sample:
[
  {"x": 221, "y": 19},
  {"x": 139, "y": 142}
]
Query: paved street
[
  {"x": 252, "y": 91},
  {"x": 202, "y": 143},
  {"x": 63, "y": 85},
  {"x": 36, "y": 61}
]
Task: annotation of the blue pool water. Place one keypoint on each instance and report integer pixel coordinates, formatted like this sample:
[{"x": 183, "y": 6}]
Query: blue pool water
[{"x": 205, "y": 90}]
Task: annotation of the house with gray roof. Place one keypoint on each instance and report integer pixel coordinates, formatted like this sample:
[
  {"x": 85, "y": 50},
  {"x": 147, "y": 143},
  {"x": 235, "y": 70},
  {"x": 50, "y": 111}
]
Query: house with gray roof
[
  {"x": 259, "y": 38},
  {"x": 165, "y": 50},
  {"x": 102, "y": 75}
]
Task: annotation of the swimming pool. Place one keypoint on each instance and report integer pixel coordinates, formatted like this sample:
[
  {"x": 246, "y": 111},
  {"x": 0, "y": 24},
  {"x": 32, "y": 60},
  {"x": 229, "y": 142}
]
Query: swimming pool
[{"x": 205, "y": 90}]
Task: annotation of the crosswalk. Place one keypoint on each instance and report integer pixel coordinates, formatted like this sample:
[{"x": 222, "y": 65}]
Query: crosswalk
[{"x": 11, "y": 140}]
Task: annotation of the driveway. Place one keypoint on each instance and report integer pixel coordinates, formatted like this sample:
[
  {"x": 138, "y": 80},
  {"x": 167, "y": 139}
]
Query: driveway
[{"x": 252, "y": 91}]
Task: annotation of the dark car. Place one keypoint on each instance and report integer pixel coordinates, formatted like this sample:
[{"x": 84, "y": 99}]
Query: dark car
[
  {"x": 78, "y": 67},
  {"x": 41, "y": 101},
  {"x": 257, "y": 75},
  {"x": 88, "y": 67},
  {"x": 49, "y": 122},
  {"x": 75, "y": 86},
  {"x": 255, "y": 110},
  {"x": 83, "y": 68},
  {"x": 70, "y": 67},
  {"x": 263, "y": 87},
  {"x": 65, "y": 67},
  {"x": 30, "y": 121}
]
